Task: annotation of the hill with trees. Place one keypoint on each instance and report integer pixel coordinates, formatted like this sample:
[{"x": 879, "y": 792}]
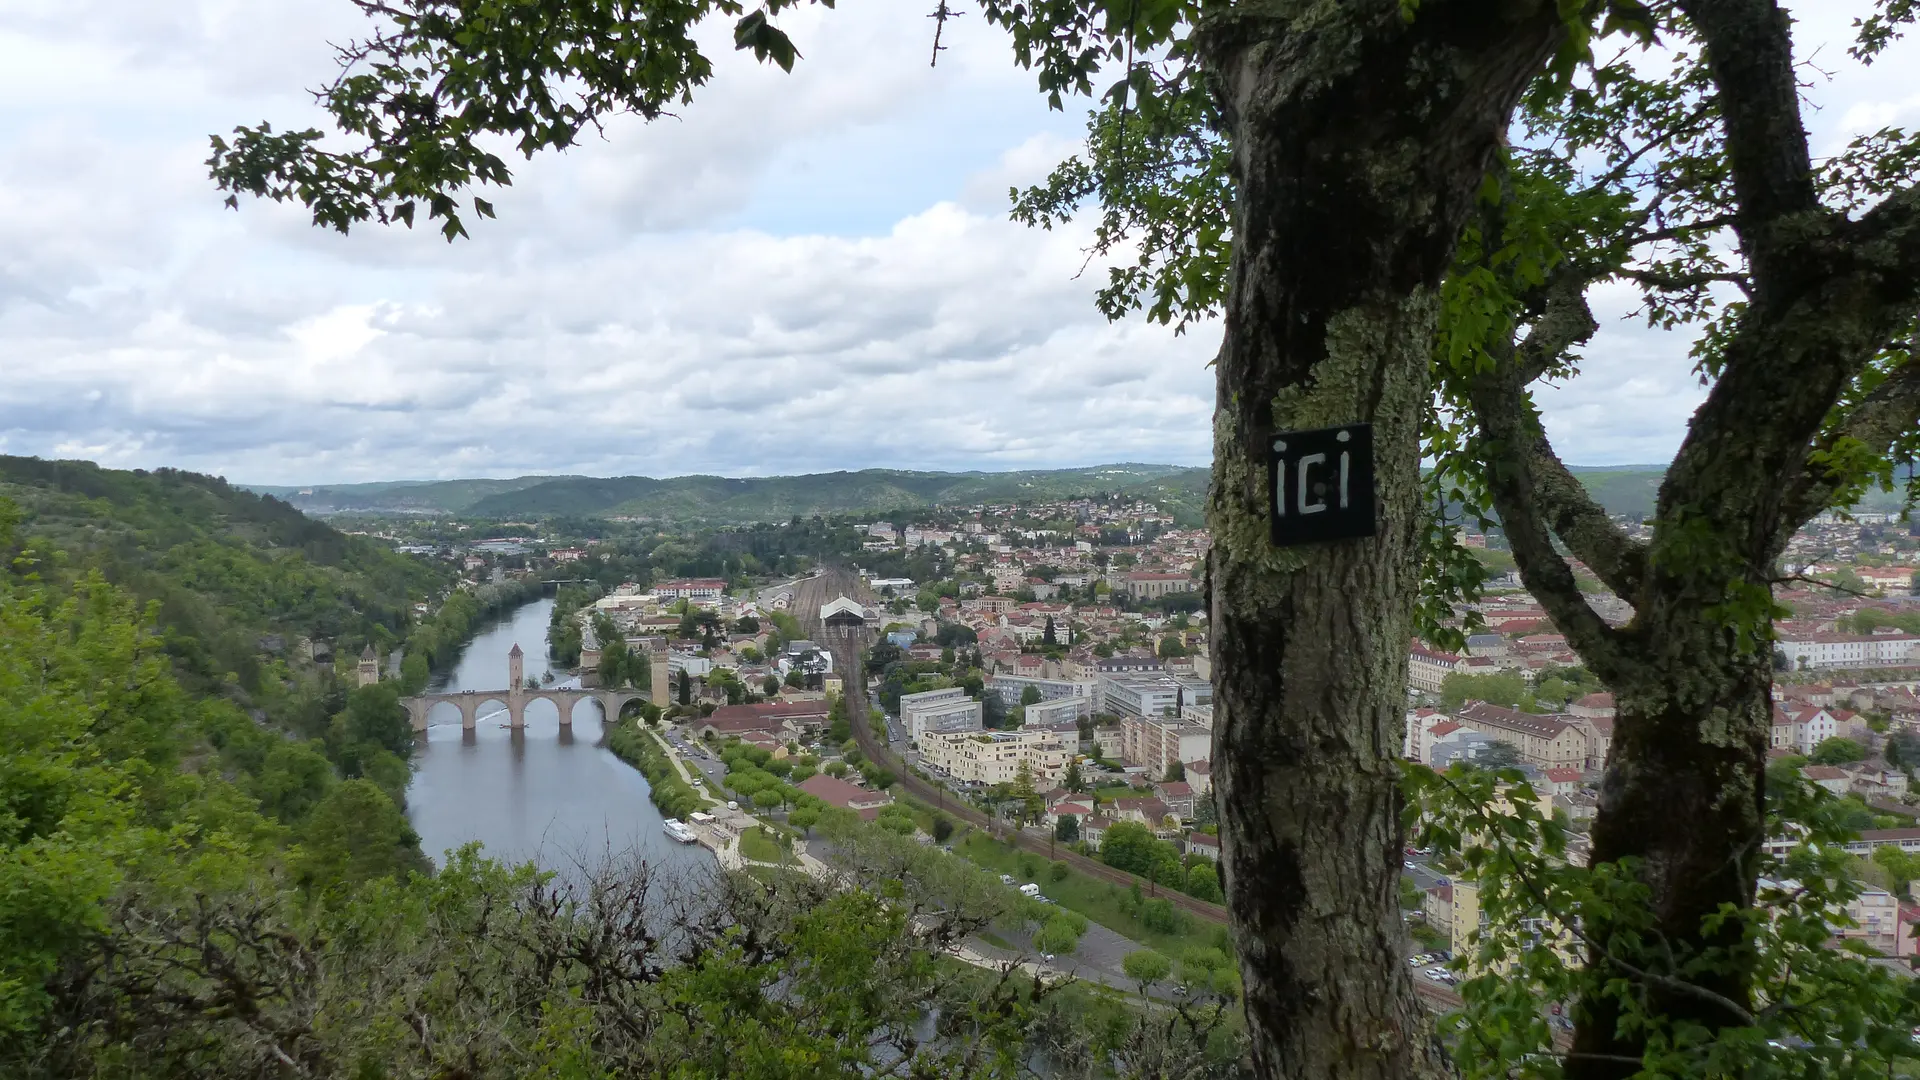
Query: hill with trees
[
  {"x": 1628, "y": 490},
  {"x": 241, "y": 580}
]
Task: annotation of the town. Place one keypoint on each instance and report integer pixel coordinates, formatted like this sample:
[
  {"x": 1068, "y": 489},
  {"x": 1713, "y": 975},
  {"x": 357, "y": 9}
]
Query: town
[{"x": 1049, "y": 663}]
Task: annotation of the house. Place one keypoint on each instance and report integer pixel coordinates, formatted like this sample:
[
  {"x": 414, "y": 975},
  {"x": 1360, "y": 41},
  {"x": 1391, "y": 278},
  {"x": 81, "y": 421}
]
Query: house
[
  {"x": 836, "y": 792},
  {"x": 949, "y": 709},
  {"x": 1875, "y": 915},
  {"x": 1593, "y": 706},
  {"x": 1204, "y": 845},
  {"x": 1178, "y": 795},
  {"x": 1801, "y": 728},
  {"x": 1564, "y": 780},
  {"x": 775, "y": 746},
  {"x": 1831, "y": 777},
  {"x": 1200, "y": 777},
  {"x": 995, "y": 757},
  {"x": 1875, "y": 778},
  {"x": 1079, "y": 807},
  {"x": 1148, "y": 811},
  {"x": 1093, "y": 829}
]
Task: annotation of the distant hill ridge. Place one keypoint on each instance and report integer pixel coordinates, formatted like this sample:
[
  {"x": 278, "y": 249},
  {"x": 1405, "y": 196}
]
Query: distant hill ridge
[
  {"x": 722, "y": 499},
  {"x": 1181, "y": 490}
]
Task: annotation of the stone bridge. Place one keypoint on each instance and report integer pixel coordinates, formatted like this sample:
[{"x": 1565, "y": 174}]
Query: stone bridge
[{"x": 515, "y": 698}]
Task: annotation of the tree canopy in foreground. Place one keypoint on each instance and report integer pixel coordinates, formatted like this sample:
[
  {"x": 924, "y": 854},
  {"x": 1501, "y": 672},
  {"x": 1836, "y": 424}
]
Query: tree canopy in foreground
[{"x": 1397, "y": 209}]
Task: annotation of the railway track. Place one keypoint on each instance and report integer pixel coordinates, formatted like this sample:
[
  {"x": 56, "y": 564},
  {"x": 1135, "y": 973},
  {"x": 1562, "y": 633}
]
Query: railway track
[{"x": 848, "y": 650}]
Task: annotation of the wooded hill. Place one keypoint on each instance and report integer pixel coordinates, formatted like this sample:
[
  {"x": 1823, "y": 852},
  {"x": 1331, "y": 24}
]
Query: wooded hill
[
  {"x": 240, "y": 578},
  {"x": 1627, "y": 489},
  {"x": 727, "y": 500}
]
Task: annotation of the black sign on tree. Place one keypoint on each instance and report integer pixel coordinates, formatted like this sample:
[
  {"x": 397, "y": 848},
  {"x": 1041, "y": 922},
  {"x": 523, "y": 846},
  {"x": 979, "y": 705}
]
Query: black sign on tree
[{"x": 1322, "y": 484}]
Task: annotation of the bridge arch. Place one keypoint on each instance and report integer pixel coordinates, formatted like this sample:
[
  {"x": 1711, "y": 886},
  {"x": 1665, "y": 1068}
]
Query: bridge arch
[{"x": 487, "y": 706}]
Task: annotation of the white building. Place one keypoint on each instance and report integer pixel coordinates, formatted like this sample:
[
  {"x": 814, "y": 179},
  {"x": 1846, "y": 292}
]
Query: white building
[
  {"x": 1152, "y": 695},
  {"x": 1806, "y": 651},
  {"x": 1060, "y": 710},
  {"x": 995, "y": 757},
  {"x": 939, "y": 710},
  {"x": 697, "y": 667},
  {"x": 1012, "y": 688},
  {"x": 1800, "y": 729}
]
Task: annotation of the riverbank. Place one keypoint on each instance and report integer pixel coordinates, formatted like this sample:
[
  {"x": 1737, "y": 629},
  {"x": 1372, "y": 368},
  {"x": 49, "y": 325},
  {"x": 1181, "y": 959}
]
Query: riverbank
[{"x": 671, "y": 787}]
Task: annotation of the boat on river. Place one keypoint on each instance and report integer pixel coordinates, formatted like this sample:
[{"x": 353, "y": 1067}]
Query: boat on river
[{"x": 679, "y": 831}]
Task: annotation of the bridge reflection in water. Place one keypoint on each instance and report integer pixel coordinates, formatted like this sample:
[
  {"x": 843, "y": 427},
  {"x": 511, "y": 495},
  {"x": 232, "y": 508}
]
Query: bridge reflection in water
[{"x": 515, "y": 698}]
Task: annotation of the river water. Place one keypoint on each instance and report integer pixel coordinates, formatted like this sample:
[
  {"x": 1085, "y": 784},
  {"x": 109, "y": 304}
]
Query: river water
[{"x": 559, "y": 798}]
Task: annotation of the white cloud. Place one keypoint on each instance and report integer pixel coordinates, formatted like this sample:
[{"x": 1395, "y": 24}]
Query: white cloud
[{"x": 803, "y": 271}]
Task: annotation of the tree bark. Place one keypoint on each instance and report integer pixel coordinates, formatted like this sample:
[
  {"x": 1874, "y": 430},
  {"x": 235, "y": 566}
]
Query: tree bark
[
  {"x": 1360, "y": 138},
  {"x": 1685, "y": 796}
]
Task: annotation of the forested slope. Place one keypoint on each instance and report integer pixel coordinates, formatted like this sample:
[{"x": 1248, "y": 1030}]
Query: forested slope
[{"x": 241, "y": 579}]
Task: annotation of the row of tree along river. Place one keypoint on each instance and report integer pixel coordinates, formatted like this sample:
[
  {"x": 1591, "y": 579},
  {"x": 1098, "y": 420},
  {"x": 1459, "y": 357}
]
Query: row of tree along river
[{"x": 557, "y": 797}]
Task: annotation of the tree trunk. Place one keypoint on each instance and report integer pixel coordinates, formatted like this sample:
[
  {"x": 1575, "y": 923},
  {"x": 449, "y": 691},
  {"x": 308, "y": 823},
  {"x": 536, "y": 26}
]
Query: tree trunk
[
  {"x": 1684, "y": 794},
  {"x": 1360, "y": 139}
]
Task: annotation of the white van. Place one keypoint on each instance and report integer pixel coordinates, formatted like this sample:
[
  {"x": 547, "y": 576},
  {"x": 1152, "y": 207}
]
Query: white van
[{"x": 1030, "y": 890}]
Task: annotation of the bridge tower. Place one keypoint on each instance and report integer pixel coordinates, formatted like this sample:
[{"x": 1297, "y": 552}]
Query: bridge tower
[
  {"x": 516, "y": 670},
  {"x": 369, "y": 666}
]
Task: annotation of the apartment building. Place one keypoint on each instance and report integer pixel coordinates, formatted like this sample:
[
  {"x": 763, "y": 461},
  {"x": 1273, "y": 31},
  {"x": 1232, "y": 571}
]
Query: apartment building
[
  {"x": 939, "y": 710},
  {"x": 1156, "y": 742},
  {"x": 995, "y": 757},
  {"x": 1012, "y": 688},
  {"x": 1147, "y": 694},
  {"x": 1551, "y": 742},
  {"x": 1060, "y": 710}
]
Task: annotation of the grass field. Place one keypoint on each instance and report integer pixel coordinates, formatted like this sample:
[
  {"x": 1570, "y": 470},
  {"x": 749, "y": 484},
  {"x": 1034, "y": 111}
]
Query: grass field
[
  {"x": 1104, "y": 903},
  {"x": 755, "y": 844}
]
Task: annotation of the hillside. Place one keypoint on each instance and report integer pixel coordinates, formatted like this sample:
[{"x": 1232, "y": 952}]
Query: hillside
[
  {"x": 725, "y": 500},
  {"x": 1624, "y": 489},
  {"x": 1634, "y": 490},
  {"x": 400, "y": 496},
  {"x": 717, "y": 498},
  {"x": 239, "y": 577}
]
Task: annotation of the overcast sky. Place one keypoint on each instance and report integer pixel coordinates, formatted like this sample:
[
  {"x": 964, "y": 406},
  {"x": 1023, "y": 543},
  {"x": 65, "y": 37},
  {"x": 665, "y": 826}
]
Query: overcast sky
[{"x": 801, "y": 272}]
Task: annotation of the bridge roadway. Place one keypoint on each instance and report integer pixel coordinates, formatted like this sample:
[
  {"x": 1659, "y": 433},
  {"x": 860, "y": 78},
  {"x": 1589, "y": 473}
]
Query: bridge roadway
[
  {"x": 848, "y": 647},
  {"x": 470, "y": 703}
]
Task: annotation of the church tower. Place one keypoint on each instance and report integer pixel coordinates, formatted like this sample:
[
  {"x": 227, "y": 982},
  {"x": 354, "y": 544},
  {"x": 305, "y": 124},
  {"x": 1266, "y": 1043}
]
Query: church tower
[{"x": 369, "y": 666}]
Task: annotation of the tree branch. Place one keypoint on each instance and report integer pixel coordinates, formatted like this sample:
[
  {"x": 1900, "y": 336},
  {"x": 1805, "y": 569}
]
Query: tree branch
[
  {"x": 1530, "y": 487},
  {"x": 1657, "y": 280},
  {"x": 1553, "y": 497},
  {"x": 1749, "y": 52},
  {"x": 1891, "y": 411}
]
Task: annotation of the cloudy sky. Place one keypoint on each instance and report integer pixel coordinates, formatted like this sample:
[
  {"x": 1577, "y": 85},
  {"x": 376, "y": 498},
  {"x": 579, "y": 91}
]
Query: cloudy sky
[{"x": 801, "y": 272}]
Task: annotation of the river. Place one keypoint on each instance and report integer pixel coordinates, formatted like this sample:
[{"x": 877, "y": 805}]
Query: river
[{"x": 559, "y": 798}]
